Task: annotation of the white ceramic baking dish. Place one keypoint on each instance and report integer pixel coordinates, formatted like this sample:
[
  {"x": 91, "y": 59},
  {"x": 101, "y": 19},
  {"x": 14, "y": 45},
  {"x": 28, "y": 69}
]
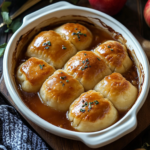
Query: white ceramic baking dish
[{"x": 53, "y": 13}]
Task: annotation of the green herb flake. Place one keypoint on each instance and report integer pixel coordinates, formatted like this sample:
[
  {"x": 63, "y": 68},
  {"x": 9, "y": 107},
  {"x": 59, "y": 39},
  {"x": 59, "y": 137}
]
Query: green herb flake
[
  {"x": 76, "y": 29},
  {"x": 82, "y": 69},
  {"x": 109, "y": 46},
  {"x": 83, "y": 105},
  {"x": 63, "y": 77},
  {"x": 78, "y": 34},
  {"x": 98, "y": 58},
  {"x": 63, "y": 84},
  {"x": 87, "y": 60},
  {"x": 85, "y": 67},
  {"x": 82, "y": 110},
  {"x": 63, "y": 47},
  {"x": 49, "y": 43},
  {"x": 83, "y": 61},
  {"x": 67, "y": 80},
  {"x": 90, "y": 105},
  {"x": 2, "y": 49},
  {"x": 85, "y": 54},
  {"x": 111, "y": 49},
  {"x": 82, "y": 101},
  {"x": 41, "y": 66},
  {"x": 47, "y": 47},
  {"x": 96, "y": 102},
  {"x": 86, "y": 103}
]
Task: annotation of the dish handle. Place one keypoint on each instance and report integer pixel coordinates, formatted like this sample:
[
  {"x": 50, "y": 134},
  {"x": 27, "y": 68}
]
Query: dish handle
[
  {"x": 100, "y": 139},
  {"x": 51, "y": 7}
]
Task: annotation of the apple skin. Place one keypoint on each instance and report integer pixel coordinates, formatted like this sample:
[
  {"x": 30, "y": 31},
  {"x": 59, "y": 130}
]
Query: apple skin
[
  {"x": 110, "y": 7},
  {"x": 147, "y": 13}
]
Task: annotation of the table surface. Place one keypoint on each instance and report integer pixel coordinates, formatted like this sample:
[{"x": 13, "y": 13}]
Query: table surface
[{"x": 132, "y": 17}]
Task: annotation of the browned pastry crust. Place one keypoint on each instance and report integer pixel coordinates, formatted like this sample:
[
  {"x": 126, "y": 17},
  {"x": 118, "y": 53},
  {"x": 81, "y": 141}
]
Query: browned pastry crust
[
  {"x": 60, "y": 90},
  {"x": 51, "y": 47},
  {"x": 32, "y": 73},
  {"x": 118, "y": 90},
  {"x": 88, "y": 68},
  {"x": 80, "y": 36},
  {"x": 92, "y": 112},
  {"x": 115, "y": 55}
]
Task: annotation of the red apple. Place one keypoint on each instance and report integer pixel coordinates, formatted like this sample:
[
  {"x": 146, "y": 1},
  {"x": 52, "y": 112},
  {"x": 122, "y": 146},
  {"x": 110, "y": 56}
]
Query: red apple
[
  {"x": 147, "y": 13},
  {"x": 110, "y": 7}
]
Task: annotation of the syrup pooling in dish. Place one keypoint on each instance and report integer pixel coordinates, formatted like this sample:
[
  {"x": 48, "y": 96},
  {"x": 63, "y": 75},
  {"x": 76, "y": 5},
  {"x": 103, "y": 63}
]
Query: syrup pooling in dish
[{"x": 60, "y": 117}]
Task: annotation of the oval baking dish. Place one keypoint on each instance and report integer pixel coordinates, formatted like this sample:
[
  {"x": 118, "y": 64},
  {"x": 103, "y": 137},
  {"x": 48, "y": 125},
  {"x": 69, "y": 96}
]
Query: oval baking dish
[{"x": 53, "y": 14}]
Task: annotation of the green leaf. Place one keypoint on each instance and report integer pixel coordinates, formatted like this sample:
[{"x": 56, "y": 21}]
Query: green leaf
[
  {"x": 146, "y": 146},
  {"x": 2, "y": 49},
  {"x": 5, "y": 13},
  {"x": 7, "y": 30},
  {"x": 6, "y": 18},
  {"x": 5, "y": 6},
  {"x": 15, "y": 25}
]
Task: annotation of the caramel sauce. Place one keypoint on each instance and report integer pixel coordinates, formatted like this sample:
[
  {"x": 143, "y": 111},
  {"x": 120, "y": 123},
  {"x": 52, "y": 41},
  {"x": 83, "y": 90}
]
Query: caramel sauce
[{"x": 58, "y": 118}]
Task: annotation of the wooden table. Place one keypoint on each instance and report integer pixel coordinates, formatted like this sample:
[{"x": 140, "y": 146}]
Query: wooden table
[{"x": 132, "y": 17}]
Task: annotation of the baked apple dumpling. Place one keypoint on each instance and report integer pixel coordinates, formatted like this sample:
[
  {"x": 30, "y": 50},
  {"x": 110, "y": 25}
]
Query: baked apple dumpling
[
  {"x": 118, "y": 90},
  {"x": 32, "y": 73},
  {"x": 60, "y": 90},
  {"x": 92, "y": 112},
  {"x": 88, "y": 68},
  {"x": 80, "y": 36},
  {"x": 51, "y": 47},
  {"x": 115, "y": 55}
]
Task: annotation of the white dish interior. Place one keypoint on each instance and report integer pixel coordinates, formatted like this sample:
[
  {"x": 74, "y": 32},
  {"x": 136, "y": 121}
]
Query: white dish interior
[{"x": 56, "y": 12}]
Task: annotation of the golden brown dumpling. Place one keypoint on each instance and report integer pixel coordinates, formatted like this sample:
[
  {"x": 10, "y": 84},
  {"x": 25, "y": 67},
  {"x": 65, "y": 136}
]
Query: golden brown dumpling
[
  {"x": 92, "y": 112},
  {"x": 79, "y": 35},
  {"x": 115, "y": 55},
  {"x": 60, "y": 90},
  {"x": 51, "y": 47},
  {"x": 118, "y": 90},
  {"x": 32, "y": 73},
  {"x": 88, "y": 68}
]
